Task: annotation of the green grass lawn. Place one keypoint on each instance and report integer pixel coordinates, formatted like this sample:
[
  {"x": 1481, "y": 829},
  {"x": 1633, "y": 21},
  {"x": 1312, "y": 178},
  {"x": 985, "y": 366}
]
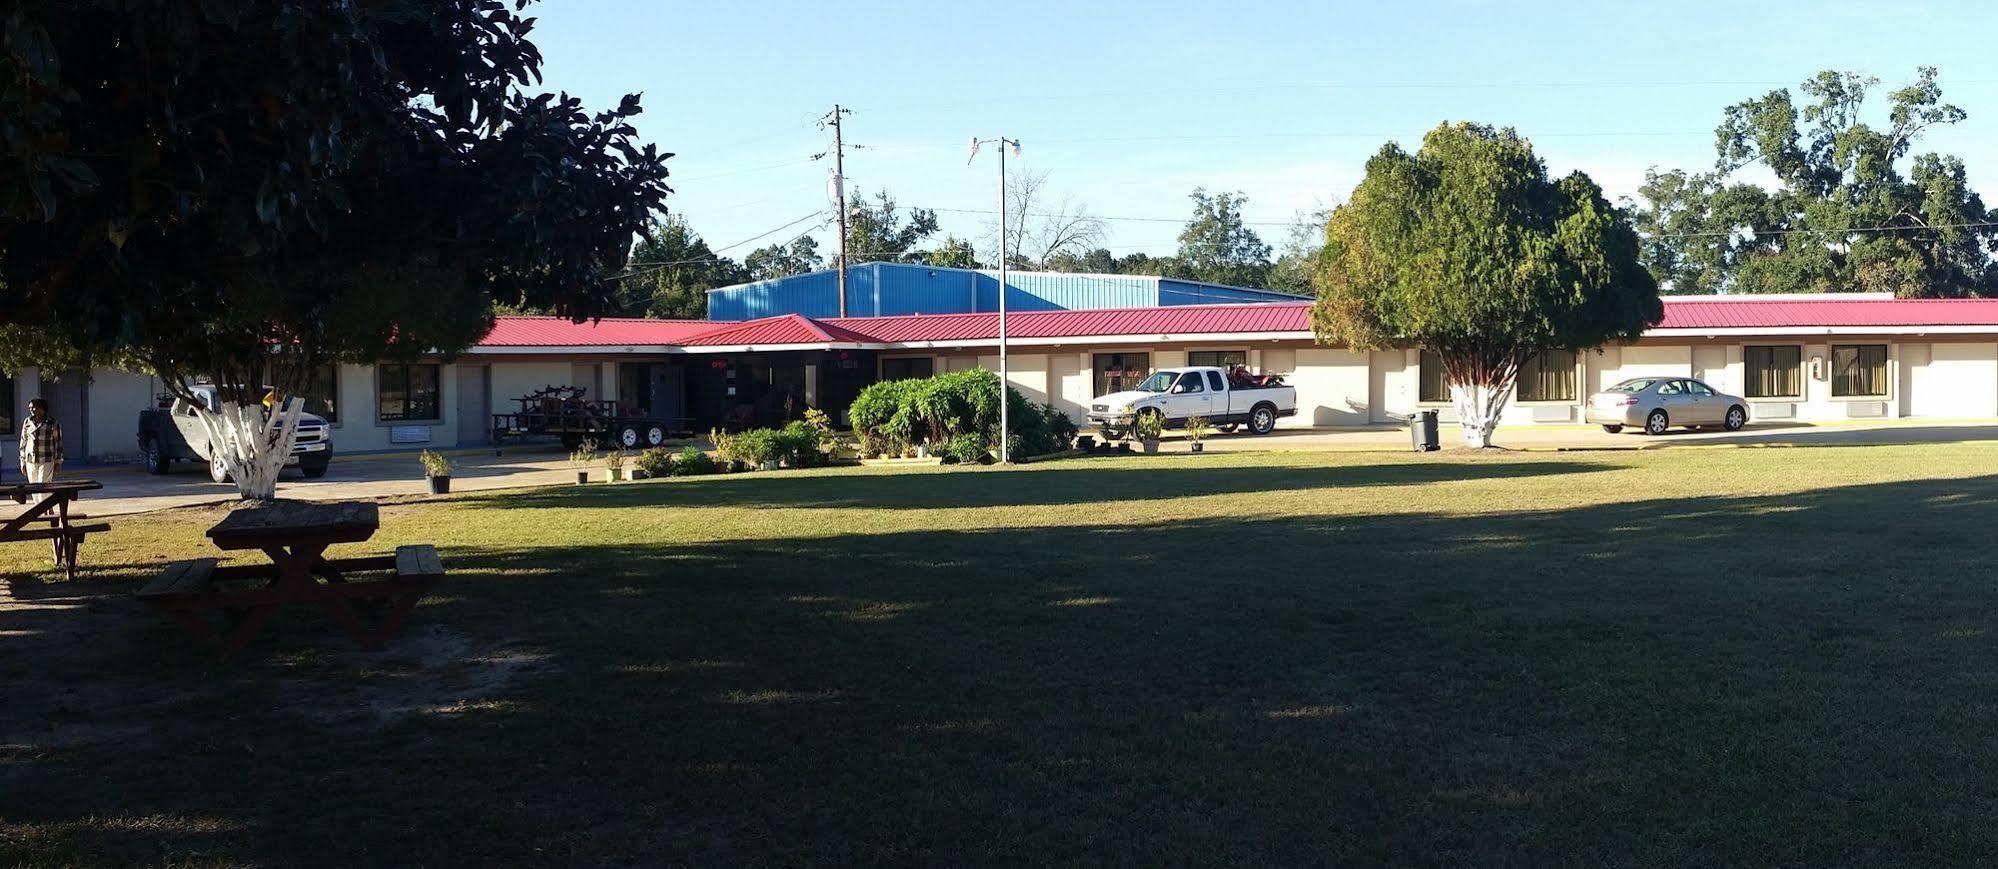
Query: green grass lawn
[{"x": 1673, "y": 657}]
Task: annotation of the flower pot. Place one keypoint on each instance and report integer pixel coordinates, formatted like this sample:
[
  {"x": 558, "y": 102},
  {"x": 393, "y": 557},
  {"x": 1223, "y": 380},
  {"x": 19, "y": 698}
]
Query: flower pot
[
  {"x": 1151, "y": 447},
  {"x": 614, "y": 475},
  {"x": 440, "y": 485},
  {"x": 735, "y": 466},
  {"x": 1086, "y": 443},
  {"x": 1123, "y": 446},
  {"x": 770, "y": 465},
  {"x": 1199, "y": 447},
  {"x": 582, "y": 477},
  {"x": 922, "y": 451}
]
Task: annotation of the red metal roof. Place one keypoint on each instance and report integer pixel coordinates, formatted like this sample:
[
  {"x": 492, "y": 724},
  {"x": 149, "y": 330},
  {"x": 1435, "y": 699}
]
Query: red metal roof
[
  {"x": 1774, "y": 312},
  {"x": 787, "y": 329},
  {"x": 1177, "y": 320},
  {"x": 560, "y": 332},
  {"x": 1747, "y": 312}
]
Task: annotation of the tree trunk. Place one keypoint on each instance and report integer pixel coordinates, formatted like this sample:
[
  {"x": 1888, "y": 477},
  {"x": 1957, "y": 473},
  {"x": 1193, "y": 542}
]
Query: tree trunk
[
  {"x": 251, "y": 446},
  {"x": 1480, "y": 385}
]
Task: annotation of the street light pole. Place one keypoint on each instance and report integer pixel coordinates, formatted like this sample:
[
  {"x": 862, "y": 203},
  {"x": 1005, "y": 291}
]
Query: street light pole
[{"x": 1005, "y": 426}]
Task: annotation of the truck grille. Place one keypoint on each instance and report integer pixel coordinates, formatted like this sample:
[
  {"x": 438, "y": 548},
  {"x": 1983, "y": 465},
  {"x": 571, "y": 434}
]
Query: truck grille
[{"x": 311, "y": 435}]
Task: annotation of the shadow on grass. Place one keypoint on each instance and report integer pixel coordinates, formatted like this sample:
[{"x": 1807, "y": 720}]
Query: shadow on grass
[
  {"x": 1801, "y": 679},
  {"x": 1012, "y": 487}
]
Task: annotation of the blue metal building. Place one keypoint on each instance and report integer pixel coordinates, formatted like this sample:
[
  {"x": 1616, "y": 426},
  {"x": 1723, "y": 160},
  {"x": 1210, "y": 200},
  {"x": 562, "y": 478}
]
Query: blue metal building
[{"x": 880, "y": 289}]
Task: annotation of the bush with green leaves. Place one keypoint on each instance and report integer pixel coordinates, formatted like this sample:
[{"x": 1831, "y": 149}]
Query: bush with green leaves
[
  {"x": 759, "y": 445},
  {"x": 691, "y": 462},
  {"x": 935, "y": 410},
  {"x": 968, "y": 448},
  {"x": 656, "y": 462}
]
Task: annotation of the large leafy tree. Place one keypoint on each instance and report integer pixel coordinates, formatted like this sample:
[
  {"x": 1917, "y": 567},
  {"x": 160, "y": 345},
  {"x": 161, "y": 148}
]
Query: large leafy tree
[
  {"x": 1852, "y": 208},
  {"x": 1467, "y": 248},
  {"x": 801, "y": 255},
  {"x": 672, "y": 271},
  {"x": 248, "y": 190},
  {"x": 1218, "y": 246},
  {"x": 877, "y": 231},
  {"x": 1296, "y": 266}
]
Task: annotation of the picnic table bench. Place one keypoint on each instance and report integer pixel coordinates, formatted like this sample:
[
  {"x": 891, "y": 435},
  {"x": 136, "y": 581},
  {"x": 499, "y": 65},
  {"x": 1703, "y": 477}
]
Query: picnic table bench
[
  {"x": 295, "y": 536},
  {"x": 64, "y": 530}
]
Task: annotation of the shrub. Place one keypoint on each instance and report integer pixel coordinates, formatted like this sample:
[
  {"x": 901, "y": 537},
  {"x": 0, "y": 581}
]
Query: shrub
[
  {"x": 691, "y": 462},
  {"x": 656, "y": 462},
  {"x": 759, "y": 445},
  {"x": 968, "y": 448},
  {"x": 434, "y": 464},
  {"x": 728, "y": 447},
  {"x": 1149, "y": 426},
  {"x": 887, "y": 416},
  {"x": 799, "y": 445}
]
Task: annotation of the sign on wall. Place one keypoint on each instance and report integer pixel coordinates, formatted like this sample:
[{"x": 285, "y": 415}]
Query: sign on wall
[{"x": 409, "y": 434}]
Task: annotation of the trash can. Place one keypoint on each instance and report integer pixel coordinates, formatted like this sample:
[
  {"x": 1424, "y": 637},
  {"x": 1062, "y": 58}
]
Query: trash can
[{"x": 1422, "y": 431}]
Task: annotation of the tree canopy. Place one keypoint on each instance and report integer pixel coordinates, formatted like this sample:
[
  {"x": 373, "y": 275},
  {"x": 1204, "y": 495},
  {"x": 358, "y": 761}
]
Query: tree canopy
[
  {"x": 672, "y": 271},
  {"x": 204, "y": 188},
  {"x": 801, "y": 255},
  {"x": 1850, "y": 210},
  {"x": 1467, "y": 248},
  {"x": 877, "y": 231},
  {"x": 1218, "y": 247}
]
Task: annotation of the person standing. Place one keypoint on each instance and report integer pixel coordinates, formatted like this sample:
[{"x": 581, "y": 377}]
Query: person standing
[{"x": 41, "y": 444}]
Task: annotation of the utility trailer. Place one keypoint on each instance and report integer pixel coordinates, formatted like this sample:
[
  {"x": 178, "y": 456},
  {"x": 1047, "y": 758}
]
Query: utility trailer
[{"x": 564, "y": 413}]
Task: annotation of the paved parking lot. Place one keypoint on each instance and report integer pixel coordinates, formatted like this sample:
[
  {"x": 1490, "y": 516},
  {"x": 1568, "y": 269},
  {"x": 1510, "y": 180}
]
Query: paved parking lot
[{"x": 130, "y": 490}]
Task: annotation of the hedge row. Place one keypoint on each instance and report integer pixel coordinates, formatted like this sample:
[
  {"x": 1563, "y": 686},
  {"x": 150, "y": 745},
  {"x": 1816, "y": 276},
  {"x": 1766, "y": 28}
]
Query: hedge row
[{"x": 956, "y": 414}]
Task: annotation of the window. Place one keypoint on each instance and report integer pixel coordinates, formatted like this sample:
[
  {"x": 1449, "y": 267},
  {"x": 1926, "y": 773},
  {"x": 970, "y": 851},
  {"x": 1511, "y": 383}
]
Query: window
[
  {"x": 1697, "y": 388},
  {"x": 1190, "y": 382},
  {"x": 1214, "y": 381},
  {"x": 1117, "y": 372},
  {"x": 1217, "y": 358},
  {"x": 908, "y": 368},
  {"x": 1548, "y": 375},
  {"x": 407, "y": 393},
  {"x": 1432, "y": 386},
  {"x": 1672, "y": 387},
  {"x": 1773, "y": 371},
  {"x": 1859, "y": 370},
  {"x": 6, "y": 405}
]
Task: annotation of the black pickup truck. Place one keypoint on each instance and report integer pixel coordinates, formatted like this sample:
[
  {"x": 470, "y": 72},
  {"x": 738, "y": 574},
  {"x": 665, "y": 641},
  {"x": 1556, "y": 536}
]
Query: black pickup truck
[{"x": 171, "y": 432}]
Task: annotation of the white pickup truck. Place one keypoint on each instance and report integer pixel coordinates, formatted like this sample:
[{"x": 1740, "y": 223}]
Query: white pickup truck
[{"x": 1179, "y": 394}]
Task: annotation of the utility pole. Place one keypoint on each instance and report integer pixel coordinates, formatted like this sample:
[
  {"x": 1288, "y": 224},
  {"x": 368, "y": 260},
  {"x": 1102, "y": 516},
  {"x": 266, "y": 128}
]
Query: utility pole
[
  {"x": 839, "y": 191},
  {"x": 1005, "y": 451}
]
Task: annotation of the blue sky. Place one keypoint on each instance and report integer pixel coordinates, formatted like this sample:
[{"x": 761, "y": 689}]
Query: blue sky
[{"x": 1129, "y": 106}]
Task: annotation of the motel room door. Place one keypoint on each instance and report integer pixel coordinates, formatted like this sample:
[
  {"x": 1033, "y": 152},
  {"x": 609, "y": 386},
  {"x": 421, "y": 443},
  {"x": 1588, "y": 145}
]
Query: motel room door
[{"x": 474, "y": 410}]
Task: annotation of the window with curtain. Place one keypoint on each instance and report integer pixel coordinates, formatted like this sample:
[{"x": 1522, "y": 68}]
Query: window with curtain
[
  {"x": 908, "y": 368},
  {"x": 407, "y": 393},
  {"x": 1217, "y": 358},
  {"x": 1431, "y": 386},
  {"x": 1859, "y": 370},
  {"x": 1773, "y": 371},
  {"x": 1116, "y": 372},
  {"x": 1547, "y": 375}
]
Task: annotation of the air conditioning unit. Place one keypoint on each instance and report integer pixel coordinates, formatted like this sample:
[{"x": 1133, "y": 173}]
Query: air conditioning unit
[
  {"x": 1774, "y": 410},
  {"x": 1553, "y": 413},
  {"x": 1866, "y": 409}
]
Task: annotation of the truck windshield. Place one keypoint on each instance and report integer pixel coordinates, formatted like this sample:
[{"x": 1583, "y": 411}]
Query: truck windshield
[{"x": 1160, "y": 381}]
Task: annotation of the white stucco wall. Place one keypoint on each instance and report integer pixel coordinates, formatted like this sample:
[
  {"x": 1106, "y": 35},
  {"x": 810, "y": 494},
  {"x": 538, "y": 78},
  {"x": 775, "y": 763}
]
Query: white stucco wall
[
  {"x": 1332, "y": 388},
  {"x": 1957, "y": 379}
]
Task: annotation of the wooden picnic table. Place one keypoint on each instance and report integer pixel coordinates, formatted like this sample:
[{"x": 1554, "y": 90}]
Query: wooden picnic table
[
  {"x": 295, "y": 535},
  {"x": 50, "y": 517}
]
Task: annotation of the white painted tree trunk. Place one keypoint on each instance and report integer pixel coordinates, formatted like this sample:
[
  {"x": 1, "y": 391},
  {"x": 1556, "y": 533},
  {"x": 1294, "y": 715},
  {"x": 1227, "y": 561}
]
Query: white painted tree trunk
[
  {"x": 251, "y": 446},
  {"x": 1479, "y": 407}
]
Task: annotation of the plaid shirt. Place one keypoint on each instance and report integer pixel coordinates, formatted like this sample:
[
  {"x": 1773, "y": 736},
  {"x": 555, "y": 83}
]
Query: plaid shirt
[{"x": 41, "y": 442}]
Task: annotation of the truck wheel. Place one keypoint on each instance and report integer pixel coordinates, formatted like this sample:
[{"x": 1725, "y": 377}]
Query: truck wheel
[
  {"x": 156, "y": 462},
  {"x": 217, "y": 471},
  {"x": 1262, "y": 419}
]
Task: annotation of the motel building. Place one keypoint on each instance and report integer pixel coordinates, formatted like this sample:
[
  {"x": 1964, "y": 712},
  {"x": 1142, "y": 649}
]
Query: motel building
[{"x": 777, "y": 347}]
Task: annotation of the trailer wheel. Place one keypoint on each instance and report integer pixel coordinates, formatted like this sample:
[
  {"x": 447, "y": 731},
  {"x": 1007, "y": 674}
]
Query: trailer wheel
[
  {"x": 628, "y": 436},
  {"x": 655, "y": 436}
]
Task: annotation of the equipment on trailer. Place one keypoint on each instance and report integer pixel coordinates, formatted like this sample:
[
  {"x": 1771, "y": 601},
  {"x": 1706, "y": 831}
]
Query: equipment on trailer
[{"x": 566, "y": 413}]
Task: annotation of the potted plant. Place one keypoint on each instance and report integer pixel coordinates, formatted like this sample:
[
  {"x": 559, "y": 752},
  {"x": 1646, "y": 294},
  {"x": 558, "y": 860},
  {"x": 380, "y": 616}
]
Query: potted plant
[
  {"x": 584, "y": 456},
  {"x": 614, "y": 462},
  {"x": 437, "y": 470},
  {"x": 1196, "y": 431},
  {"x": 1086, "y": 443},
  {"x": 1148, "y": 428}
]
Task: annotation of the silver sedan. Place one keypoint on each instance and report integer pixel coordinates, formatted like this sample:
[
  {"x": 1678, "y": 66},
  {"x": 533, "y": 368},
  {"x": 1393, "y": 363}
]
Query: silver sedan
[{"x": 1659, "y": 403}]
